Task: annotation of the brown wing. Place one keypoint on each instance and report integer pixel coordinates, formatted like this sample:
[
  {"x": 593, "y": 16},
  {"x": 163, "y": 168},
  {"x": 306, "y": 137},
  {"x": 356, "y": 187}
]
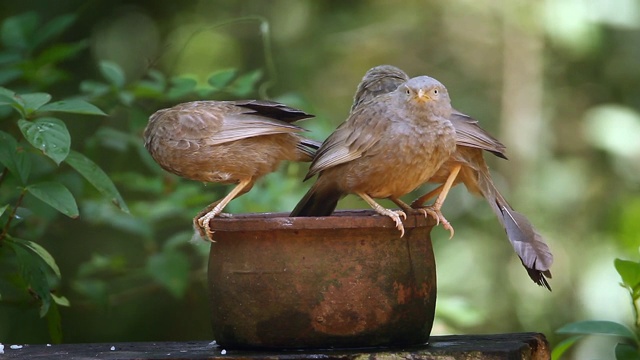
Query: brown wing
[
  {"x": 469, "y": 133},
  {"x": 347, "y": 142},
  {"x": 208, "y": 123}
]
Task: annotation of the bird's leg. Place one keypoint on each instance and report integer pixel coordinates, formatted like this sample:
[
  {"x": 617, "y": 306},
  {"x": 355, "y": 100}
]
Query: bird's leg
[
  {"x": 422, "y": 199},
  {"x": 437, "y": 205},
  {"x": 215, "y": 209},
  {"x": 394, "y": 215}
]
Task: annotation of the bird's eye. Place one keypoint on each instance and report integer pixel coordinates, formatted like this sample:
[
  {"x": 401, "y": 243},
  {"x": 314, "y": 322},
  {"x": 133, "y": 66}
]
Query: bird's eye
[
  {"x": 435, "y": 91},
  {"x": 407, "y": 91}
]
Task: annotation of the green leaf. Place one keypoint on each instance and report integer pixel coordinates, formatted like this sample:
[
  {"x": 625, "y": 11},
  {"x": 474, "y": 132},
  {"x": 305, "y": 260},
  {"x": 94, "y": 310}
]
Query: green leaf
[
  {"x": 17, "y": 30},
  {"x": 61, "y": 300},
  {"x": 53, "y": 28},
  {"x": 98, "y": 178},
  {"x": 74, "y": 106},
  {"x": 49, "y": 135},
  {"x": 246, "y": 83},
  {"x": 629, "y": 272},
  {"x": 221, "y": 78},
  {"x": 33, "y": 102},
  {"x": 170, "y": 269},
  {"x": 593, "y": 327},
  {"x": 34, "y": 272},
  {"x": 627, "y": 352},
  {"x": 44, "y": 255},
  {"x": 563, "y": 346},
  {"x": 181, "y": 86},
  {"x": 59, "y": 52},
  {"x": 112, "y": 72},
  {"x": 54, "y": 323},
  {"x": 57, "y": 196},
  {"x": 94, "y": 88},
  {"x": 7, "y": 75},
  {"x": 3, "y": 209},
  {"x": 14, "y": 158}
]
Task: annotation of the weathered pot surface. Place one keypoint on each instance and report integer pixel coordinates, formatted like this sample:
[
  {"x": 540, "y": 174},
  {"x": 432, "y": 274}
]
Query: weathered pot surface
[{"x": 346, "y": 280}]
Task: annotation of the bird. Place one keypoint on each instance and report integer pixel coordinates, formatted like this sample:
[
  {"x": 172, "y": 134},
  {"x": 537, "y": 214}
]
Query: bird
[
  {"x": 471, "y": 169},
  {"x": 228, "y": 142},
  {"x": 386, "y": 148}
]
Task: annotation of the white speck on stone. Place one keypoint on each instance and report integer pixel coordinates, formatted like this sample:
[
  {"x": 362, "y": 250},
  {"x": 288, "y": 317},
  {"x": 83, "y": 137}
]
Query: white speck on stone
[
  {"x": 1, "y": 348},
  {"x": 223, "y": 352},
  {"x": 48, "y": 345},
  {"x": 213, "y": 343},
  {"x": 112, "y": 348},
  {"x": 16, "y": 347}
]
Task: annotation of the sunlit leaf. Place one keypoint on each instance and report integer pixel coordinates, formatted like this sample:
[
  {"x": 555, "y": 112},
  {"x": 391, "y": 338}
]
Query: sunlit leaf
[
  {"x": 74, "y": 106},
  {"x": 49, "y": 135},
  {"x": 593, "y": 327},
  {"x": 95, "y": 88},
  {"x": 14, "y": 158},
  {"x": 221, "y": 78},
  {"x": 112, "y": 72},
  {"x": 627, "y": 352},
  {"x": 629, "y": 272},
  {"x": 563, "y": 346},
  {"x": 34, "y": 101},
  {"x": 170, "y": 269},
  {"x": 57, "y": 196},
  {"x": 61, "y": 300},
  {"x": 97, "y": 177}
]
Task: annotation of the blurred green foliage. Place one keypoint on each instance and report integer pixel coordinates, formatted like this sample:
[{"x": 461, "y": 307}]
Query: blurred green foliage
[{"x": 556, "y": 81}]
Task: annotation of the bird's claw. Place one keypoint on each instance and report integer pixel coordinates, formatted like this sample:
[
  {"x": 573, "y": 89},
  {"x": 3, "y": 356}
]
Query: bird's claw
[
  {"x": 395, "y": 216},
  {"x": 437, "y": 215}
]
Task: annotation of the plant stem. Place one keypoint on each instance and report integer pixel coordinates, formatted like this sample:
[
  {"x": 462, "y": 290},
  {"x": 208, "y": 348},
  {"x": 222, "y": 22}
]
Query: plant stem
[{"x": 12, "y": 216}]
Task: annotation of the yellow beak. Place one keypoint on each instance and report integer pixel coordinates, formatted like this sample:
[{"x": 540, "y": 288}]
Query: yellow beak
[{"x": 422, "y": 96}]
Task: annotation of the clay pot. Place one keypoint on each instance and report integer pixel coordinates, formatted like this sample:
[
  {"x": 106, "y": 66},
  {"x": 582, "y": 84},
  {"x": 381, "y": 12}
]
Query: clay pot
[{"x": 342, "y": 281}]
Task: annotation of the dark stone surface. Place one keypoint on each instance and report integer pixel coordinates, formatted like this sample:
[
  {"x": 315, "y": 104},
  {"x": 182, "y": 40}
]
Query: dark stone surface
[{"x": 520, "y": 346}]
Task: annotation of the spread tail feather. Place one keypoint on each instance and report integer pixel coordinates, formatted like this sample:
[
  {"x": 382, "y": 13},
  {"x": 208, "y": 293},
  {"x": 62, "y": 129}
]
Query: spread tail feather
[{"x": 530, "y": 246}]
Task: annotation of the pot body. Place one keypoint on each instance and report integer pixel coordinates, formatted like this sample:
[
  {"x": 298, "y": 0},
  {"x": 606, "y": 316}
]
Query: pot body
[{"x": 341, "y": 281}]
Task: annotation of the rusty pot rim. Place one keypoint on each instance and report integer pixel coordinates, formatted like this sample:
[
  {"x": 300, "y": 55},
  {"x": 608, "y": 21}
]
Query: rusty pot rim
[{"x": 344, "y": 219}]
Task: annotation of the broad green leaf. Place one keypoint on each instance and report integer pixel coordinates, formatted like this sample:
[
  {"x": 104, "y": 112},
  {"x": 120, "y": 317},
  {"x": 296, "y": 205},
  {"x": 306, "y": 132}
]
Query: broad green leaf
[
  {"x": 33, "y": 102},
  {"x": 53, "y": 28},
  {"x": 54, "y": 323},
  {"x": 44, "y": 254},
  {"x": 627, "y": 352},
  {"x": 73, "y": 106},
  {"x": 49, "y": 135},
  {"x": 112, "y": 72},
  {"x": 17, "y": 30},
  {"x": 98, "y": 178},
  {"x": 170, "y": 269},
  {"x": 14, "y": 158},
  {"x": 246, "y": 83},
  {"x": 629, "y": 272},
  {"x": 34, "y": 272},
  {"x": 563, "y": 346},
  {"x": 221, "y": 78},
  {"x": 181, "y": 86},
  {"x": 57, "y": 196},
  {"x": 593, "y": 327}
]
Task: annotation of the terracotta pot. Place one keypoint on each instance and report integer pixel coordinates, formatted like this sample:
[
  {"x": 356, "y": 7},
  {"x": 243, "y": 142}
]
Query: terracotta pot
[{"x": 346, "y": 280}]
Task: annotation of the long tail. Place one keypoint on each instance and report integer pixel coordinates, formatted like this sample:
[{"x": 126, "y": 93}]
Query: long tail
[
  {"x": 526, "y": 241},
  {"x": 318, "y": 201}
]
